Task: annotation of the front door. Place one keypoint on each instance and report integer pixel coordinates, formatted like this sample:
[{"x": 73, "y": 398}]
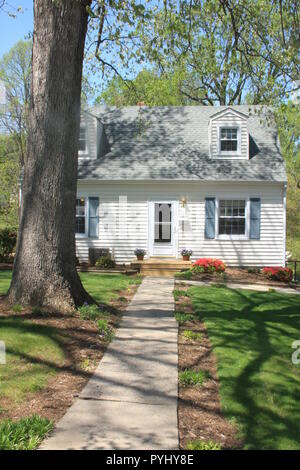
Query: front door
[{"x": 162, "y": 229}]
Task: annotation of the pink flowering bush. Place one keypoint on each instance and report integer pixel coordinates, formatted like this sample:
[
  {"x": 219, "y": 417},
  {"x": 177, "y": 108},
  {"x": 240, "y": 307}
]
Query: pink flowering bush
[
  {"x": 278, "y": 274},
  {"x": 208, "y": 265}
]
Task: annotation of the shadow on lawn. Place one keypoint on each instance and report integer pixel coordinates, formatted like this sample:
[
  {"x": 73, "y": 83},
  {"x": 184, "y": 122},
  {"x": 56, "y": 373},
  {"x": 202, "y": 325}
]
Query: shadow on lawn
[{"x": 252, "y": 334}]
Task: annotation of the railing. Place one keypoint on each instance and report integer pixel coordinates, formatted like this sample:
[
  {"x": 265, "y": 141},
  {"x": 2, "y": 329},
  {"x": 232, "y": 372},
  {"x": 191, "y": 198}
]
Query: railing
[{"x": 294, "y": 262}]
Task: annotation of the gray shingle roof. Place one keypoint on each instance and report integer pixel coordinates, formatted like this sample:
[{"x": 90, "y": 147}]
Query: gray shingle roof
[{"x": 164, "y": 143}]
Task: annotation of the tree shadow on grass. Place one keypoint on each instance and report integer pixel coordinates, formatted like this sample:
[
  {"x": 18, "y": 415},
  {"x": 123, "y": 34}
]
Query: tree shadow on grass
[{"x": 252, "y": 333}]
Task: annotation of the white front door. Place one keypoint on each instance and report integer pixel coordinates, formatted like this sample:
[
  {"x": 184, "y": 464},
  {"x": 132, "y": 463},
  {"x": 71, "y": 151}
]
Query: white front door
[{"x": 162, "y": 228}]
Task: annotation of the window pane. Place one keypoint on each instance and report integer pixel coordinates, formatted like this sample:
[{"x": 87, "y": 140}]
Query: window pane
[
  {"x": 228, "y": 145},
  {"x": 231, "y": 226},
  {"x": 80, "y": 206},
  {"x": 82, "y": 139},
  {"x": 80, "y": 225}
]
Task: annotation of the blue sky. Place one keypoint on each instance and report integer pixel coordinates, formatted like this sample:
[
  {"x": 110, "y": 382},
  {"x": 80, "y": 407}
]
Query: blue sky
[{"x": 14, "y": 29}]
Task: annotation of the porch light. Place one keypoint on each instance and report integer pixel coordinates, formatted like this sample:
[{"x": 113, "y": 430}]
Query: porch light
[{"x": 183, "y": 201}]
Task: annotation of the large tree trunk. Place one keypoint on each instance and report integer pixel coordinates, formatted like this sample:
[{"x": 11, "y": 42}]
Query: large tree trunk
[{"x": 45, "y": 269}]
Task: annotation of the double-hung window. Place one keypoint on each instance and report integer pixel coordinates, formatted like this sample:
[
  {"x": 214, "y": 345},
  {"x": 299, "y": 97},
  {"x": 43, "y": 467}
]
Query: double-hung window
[
  {"x": 82, "y": 147},
  {"x": 229, "y": 139},
  {"x": 232, "y": 217},
  {"x": 80, "y": 228}
]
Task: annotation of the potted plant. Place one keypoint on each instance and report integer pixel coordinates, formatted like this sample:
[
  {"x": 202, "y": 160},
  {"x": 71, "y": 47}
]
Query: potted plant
[
  {"x": 186, "y": 254},
  {"x": 140, "y": 253}
]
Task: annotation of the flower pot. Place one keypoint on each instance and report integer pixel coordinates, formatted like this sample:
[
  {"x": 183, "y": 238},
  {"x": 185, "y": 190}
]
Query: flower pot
[
  {"x": 186, "y": 258},
  {"x": 140, "y": 257}
]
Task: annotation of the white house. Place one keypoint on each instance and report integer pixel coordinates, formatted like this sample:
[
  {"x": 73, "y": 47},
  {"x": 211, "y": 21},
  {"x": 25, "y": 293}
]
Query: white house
[{"x": 211, "y": 179}]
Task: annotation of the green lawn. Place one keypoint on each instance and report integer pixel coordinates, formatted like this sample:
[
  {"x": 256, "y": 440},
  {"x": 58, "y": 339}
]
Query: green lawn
[
  {"x": 252, "y": 334},
  {"x": 102, "y": 287},
  {"x": 35, "y": 353}
]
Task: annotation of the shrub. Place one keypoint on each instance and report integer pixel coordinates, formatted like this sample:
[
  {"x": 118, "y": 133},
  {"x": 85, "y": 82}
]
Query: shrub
[
  {"x": 278, "y": 274},
  {"x": 208, "y": 265},
  {"x": 203, "y": 445},
  {"x": 105, "y": 262},
  {"x": 8, "y": 239}
]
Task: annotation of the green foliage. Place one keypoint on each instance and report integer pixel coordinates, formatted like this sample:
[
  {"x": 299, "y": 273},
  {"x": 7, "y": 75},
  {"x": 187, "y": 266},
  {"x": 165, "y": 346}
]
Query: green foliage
[
  {"x": 180, "y": 293},
  {"x": 252, "y": 334},
  {"x": 191, "y": 377},
  {"x": 150, "y": 86},
  {"x": 203, "y": 445},
  {"x": 90, "y": 312},
  {"x": 9, "y": 174},
  {"x": 228, "y": 49},
  {"x": 24, "y": 434},
  {"x": 15, "y": 70},
  {"x": 105, "y": 262},
  {"x": 8, "y": 238},
  {"x": 288, "y": 122},
  {"x": 192, "y": 335},
  {"x": 17, "y": 308},
  {"x": 182, "y": 317},
  {"x": 188, "y": 274},
  {"x": 105, "y": 329}
]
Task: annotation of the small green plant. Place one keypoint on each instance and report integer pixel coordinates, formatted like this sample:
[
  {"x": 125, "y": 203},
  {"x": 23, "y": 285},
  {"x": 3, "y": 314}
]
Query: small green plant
[
  {"x": 203, "y": 445},
  {"x": 105, "y": 329},
  {"x": 89, "y": 312},
  {"x": 271, "y": 290},
  {"x": 24, "y": 434},
  {"x": 179, "y": 293},
  {"x": 182, "y": 317},
  {"x": 253, "y": 270},
  {"x": 184, "y": 274},
  {"x": 36, "y": 311},
  {"x": 191, "y": 377},
  {"x": 105, "y": 262},
  {"x": 192, "y": 335},
  {"x": 17, "y": 308},
  {"x": 122, "y": 299},
  {"x": 136, "y": 280}
]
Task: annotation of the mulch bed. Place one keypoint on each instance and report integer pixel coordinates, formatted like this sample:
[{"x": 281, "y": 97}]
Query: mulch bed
[
  {"x": 199, "y": 408},
  {"x": 84, "y": 348},
  {"x": 240, "y": 275}
]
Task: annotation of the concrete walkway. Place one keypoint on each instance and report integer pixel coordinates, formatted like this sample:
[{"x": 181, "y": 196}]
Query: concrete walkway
[{"x": 131, "y": 401}]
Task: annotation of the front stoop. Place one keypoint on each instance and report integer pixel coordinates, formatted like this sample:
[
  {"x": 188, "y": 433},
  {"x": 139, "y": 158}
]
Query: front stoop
[{"x": 160, "y": 266}]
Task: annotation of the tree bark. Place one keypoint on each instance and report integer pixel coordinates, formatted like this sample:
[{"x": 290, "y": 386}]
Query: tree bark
[{"x": 44, "y": 270}]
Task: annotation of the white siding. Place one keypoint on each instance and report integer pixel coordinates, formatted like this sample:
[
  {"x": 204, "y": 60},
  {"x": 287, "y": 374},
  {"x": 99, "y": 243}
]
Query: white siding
[{"x": 122, "y": 238}]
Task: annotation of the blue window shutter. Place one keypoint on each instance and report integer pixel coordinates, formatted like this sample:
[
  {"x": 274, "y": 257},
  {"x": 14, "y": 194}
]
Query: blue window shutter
[
  {"x": 210, "y": 219},
  {"x": 255, "y": 218},
  {"x": 93, "y": 216}
]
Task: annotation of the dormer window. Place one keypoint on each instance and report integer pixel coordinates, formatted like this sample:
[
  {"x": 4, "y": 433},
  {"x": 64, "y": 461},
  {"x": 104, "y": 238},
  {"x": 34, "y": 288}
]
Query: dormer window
[
  {"x": 228, "y": 135},
  {"x": 82, "y": 139},
  {"x": 229, "y": 139}
]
